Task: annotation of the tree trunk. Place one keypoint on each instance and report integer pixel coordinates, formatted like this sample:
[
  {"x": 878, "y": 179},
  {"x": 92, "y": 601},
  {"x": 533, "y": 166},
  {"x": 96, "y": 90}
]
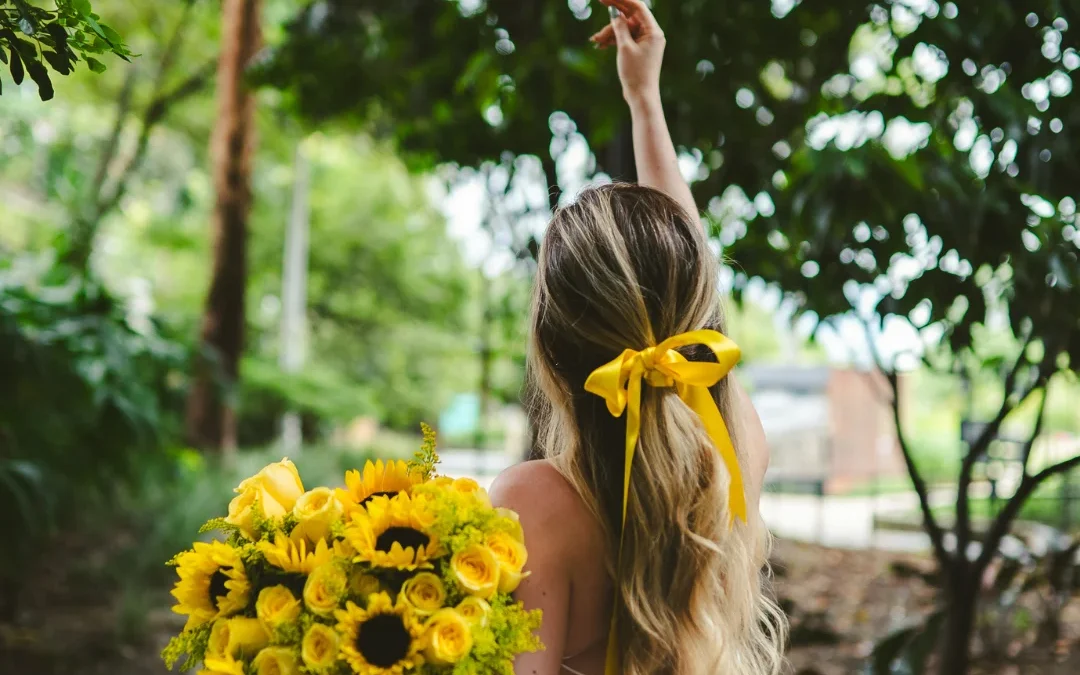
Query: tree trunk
[
  {"x": 211, "y": 422},
  {"x": 962, "y": 596}
]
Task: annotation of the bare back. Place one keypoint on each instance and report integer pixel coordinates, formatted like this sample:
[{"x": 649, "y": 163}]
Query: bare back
[{"x": 568, "y": 578}]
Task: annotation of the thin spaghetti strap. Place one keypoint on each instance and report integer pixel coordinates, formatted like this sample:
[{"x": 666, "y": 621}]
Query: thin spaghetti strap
[{"x": 571, "y": 670}]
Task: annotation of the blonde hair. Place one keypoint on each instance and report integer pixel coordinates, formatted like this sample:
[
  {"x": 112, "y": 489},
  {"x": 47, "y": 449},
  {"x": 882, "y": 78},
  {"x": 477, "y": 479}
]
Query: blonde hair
[{"x": 625, "y": 267}]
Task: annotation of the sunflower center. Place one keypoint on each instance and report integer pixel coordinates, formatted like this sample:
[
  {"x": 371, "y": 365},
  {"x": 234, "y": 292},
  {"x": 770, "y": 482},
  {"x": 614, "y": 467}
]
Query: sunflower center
[
  {"x": 383, "y": 640},
  {"x": 405, "y": 536},
  {"x": 217, "y": 587},
  {"x": 373, "y": 495}
]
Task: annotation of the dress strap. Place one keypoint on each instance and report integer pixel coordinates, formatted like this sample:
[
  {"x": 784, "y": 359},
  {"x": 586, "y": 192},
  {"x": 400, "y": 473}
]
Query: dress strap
[{"x": 571, "y": 670}]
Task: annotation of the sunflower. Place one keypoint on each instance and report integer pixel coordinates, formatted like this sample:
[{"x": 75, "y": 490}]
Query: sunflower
[
  {"x": 392, "y": 532},
  {"x": 212, "y": 583},
  {"x": 384, "y": 639},
  {"x": 298, "y": 555},
  {"x": 377, "y": 480}
]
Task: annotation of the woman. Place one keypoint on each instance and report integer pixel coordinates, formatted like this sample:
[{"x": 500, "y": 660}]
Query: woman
[{"x": 622, "y": 270}]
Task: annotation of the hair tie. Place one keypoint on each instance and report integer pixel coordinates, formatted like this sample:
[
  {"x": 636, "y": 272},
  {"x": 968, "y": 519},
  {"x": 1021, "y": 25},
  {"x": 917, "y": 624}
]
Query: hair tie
[{"x": 619, "y": 383}]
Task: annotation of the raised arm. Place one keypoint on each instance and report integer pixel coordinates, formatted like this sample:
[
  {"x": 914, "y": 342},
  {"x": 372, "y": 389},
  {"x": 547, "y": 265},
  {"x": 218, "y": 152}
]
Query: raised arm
[{"x": 640, "y": 42}]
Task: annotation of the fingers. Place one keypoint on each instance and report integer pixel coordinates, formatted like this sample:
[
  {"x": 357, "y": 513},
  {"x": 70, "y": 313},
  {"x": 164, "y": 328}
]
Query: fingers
[
  {"x": 621, "y": 28},
  {"x": 605, "y": 38},
  {"x": 635, "y": 11}
]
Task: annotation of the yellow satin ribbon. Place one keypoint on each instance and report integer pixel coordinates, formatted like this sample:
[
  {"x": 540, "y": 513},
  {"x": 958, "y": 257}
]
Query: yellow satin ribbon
[{"x": 619, "y": 383}]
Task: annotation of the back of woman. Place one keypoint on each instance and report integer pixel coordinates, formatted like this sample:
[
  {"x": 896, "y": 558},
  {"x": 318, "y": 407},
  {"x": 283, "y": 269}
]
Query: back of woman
[{"x": 647, "y": 551}]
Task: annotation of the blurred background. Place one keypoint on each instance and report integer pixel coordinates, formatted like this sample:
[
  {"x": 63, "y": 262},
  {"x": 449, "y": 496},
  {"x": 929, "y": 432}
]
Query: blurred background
[{"x": 232, "y": 231}]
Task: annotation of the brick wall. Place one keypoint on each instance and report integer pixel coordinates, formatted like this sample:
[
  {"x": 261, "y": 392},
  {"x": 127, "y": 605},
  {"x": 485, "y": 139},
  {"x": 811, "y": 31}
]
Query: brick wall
[{"x": 861, "y": 428}]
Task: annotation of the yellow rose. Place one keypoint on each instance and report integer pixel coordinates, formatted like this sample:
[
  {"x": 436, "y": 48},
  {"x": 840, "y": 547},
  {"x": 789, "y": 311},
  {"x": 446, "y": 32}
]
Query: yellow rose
[
  {"x": 221, "y": 666},
  {"x": 276, "y": 661},
  {"x": 512, "y": 556},
  {"x": 316, "y": 511},
  {"x": 276, "y": 607},
  {"x": 513, "y": 522},
  {"x": 468, "y": 486},
  {"x": 474, "y": 610},
  {"x": 442, "y": 481},
  {"x": 319, "y": 649},
  {"x": 325, "y": 589},
  {"x": 276, "y": 489},
  {"x": 449, "y": 637},
  {"x": 242, "y": 513},
  {"x": 477, "y": 570},
  {"x": 425, "y": 592},
  {"x": 361, "y": 585},
  {"x": 238, "y": 637}
]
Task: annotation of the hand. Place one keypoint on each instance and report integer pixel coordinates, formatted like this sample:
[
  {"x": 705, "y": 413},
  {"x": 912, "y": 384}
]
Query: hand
[{"x": 641, "y": 47}]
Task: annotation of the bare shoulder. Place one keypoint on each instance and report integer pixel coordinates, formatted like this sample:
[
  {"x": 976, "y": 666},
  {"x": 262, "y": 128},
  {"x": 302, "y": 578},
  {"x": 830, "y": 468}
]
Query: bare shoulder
[
  {"x": 536, "y": 487},
  {"x": 543, "y": 498}
]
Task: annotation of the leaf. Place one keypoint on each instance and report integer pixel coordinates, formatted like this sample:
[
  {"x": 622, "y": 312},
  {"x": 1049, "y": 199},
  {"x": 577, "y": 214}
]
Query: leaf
[
  {"x": 26, "y": 19},
  {"x": 58, "y": 63},
  {"x": 40, "y": 75},
  {"x": 17, "y": 71},
  {"x": 97, "y": 27},
  {"x": 59, "y": 36},
  {"x": 888, "y": 650},
  {"x": 81, "y": 6},
  {"x": 95, "y": 65}
]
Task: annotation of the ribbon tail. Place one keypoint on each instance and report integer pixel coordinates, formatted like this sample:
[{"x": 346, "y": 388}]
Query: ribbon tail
[
  {"x": 701, "y": 401},
  {"x": 633, "y": 429},
  {"x": 612, "y": 662}
]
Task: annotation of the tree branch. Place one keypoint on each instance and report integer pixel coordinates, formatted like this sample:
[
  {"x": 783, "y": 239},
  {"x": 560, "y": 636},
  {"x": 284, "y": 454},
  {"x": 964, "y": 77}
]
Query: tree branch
[
  {"x": 1039, "y": 420},
  {"x": 933, "y": 528},
  {"x": 1004, "y": 520},
  {"x": 155, "y": 112},
  {"x": 982, "y": 444}
]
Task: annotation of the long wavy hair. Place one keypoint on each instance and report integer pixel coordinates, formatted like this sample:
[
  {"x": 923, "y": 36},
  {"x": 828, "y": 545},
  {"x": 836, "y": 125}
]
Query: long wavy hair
[{"x": 625, "y": 266}]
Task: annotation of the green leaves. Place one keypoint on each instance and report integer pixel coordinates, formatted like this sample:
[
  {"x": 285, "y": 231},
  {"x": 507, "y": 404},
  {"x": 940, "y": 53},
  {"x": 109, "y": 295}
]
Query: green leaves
[{"x": 54, "y": 40}]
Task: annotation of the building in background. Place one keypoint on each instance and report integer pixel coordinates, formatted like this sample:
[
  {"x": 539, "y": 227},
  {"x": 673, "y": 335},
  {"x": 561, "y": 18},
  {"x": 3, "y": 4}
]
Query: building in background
[{"x": 829, "y": 429}]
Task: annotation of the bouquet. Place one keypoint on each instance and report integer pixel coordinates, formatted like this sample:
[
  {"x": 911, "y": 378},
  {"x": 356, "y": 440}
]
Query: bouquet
[{"x": 401, "y": 571}]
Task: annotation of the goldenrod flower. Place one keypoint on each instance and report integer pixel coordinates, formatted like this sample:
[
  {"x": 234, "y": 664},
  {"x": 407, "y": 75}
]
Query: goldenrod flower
[
  {"x": 221, "y": 666},
  {"x": 392, "y": 533},
  {"x": 273, "y": 491},
  {"x": 377, "y": 480},
  {"x": 276, "y": 661},
  {"x": 384, "y": 639},
  {"x": 295, "y": 555},
  {"x": 212, "y": 583},
  {"x": 238, "y": 637},
  {"x": 512, "y": 556},
  {"x": 475, "y": 610},
  {"x": 477, "y": 570},
  {"x": 316, "y": 512},
  {"x": 449, "y": 637},
  {"x": 425, "y": 592},
  {"x": 276, "y": 607},
  {"x": 320, "y": 646},
  {"x": 325, "y": 589}
]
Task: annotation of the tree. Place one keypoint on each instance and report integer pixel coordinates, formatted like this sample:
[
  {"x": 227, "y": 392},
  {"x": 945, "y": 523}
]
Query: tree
[
  {"x": 35, "y": 38},
  {"x": 966, "y": 230},
  {"x": 210, "y": 418}
]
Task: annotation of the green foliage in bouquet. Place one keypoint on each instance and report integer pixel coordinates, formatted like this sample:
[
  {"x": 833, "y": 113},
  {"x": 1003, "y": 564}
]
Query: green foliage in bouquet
[{"x": 400, "y": 570}]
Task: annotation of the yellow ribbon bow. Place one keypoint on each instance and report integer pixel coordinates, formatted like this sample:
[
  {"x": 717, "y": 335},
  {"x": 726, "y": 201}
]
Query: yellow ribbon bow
[{"x": 619, "y": 383}]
